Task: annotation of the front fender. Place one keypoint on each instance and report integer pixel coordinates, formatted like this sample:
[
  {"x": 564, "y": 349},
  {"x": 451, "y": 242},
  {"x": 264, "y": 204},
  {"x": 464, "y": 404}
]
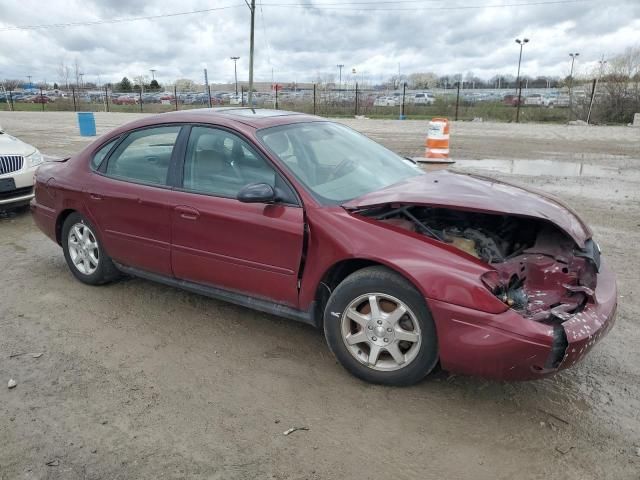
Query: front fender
[{"x": 438, "y": 271}]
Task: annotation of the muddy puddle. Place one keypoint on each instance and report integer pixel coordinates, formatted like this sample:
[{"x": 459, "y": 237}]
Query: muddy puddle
[{"x": 547, "y": 167}]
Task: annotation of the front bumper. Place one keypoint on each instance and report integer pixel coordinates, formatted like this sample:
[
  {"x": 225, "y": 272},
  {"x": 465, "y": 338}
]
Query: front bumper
[
  {"x": 506, "y": 346},
  {"x": 23, "y": 191}
]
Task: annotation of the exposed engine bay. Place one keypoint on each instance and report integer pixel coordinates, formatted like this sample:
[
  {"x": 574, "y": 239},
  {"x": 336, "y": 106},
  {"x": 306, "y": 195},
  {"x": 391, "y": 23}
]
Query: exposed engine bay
[{"x": 539, "y": 271}]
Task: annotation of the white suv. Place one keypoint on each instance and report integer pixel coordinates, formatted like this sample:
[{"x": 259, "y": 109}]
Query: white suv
[
  {"x": 424, "y": 98},
  {"x": 18, "y": 163}
]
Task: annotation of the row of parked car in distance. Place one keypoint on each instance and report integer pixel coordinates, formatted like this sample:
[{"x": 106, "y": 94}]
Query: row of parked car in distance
[{"x": 548, "y": 98}]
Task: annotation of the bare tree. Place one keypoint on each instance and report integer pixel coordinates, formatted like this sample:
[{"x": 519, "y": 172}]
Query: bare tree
[
  {"x": 396, "y": 81},
  {"x": 422, "y": 80},
  {"x": 142, "y": 81},
  {"x": 621, "y": 88},
  {"x": 11, "y": 83},
  {"x": 325, "y": 79},
  {"x": 185, "y": 85},
  {"x": 64, "y": 72},
  {"x": 77, "y": 71}
]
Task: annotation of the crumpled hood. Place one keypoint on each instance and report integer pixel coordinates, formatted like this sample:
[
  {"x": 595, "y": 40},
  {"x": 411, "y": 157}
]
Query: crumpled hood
[
  {"x": 10, "y": 145},
  {"x": 447, "y": 189}
]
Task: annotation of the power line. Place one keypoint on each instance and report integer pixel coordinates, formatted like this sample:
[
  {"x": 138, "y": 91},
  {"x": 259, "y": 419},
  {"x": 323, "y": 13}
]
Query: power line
[
  {"x": 264, "y": 32},
  {"x": 366, "y": 6},
  {"x": 364, "y": 2},
  {"x": 117, "y": 20}
]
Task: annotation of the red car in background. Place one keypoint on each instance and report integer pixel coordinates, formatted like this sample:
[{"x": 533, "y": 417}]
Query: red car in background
[
  {"x": 304, "y": 218},
  {"x": 41, "y": 99},
  {"x": 124, "y": 100},
  {"x": 512, "y": 100}
]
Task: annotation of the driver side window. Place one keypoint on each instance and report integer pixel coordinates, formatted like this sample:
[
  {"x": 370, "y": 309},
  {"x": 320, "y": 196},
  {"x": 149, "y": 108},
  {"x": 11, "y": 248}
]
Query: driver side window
[{"x": 220, "y": 163}]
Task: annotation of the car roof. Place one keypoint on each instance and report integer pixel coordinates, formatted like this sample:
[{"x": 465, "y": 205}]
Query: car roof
[
  {"x": 254, "y": 117},
  {"x": 238, "y": 118}
]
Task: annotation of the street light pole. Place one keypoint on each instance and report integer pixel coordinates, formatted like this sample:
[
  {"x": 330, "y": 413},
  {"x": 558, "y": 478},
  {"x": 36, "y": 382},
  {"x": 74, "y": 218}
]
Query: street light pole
[
  {"x": 573, "y": 59},
  {"x": 340, "y": 66},
  {"x": 29, "y": 77},
  {"x": 521, "y": 43},
  {"x": 235, "y": 70},
  {"x": 518, "y": 85},
  {"x": 253, "y": 12}
]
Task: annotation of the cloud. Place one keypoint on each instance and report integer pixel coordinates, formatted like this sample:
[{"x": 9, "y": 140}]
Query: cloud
[{"x": 299, "y": 43}]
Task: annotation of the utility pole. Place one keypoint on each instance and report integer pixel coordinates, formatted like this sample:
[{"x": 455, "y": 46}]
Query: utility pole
[
  {"x": 252, "y": 7},
  {"x": 206, "y": 85},
  {"x": 235, "y": 71},
  {"x": 573, "y": 59},
  {"x": 602, "y": 63}
]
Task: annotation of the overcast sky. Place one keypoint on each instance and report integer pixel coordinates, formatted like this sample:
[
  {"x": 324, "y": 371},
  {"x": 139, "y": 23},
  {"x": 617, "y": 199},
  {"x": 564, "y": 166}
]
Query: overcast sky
[{"x": 309, "y": 37}]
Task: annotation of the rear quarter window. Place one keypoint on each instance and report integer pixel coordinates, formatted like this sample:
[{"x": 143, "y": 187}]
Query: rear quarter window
[{"x": 100, "y": 155}]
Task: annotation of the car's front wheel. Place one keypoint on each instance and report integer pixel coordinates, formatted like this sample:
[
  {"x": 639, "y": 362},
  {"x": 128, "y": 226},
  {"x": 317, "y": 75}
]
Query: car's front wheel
[
  {"x": 85, "y": 257},
  {"x": 379, "y": 328}
]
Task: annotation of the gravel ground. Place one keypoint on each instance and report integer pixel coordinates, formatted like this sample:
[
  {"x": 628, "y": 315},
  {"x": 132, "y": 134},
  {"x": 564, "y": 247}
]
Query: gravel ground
[{"x": 138, "y": 380}]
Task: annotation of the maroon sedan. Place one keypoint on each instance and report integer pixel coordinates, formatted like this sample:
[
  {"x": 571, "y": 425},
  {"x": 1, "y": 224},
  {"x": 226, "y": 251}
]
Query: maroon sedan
[
  {"x": 40, "y": 99},
  {"x": 307, "y": 219}
]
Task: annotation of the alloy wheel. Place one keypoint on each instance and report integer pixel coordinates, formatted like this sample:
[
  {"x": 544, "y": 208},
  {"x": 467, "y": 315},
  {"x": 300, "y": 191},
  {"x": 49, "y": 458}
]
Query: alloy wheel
[
  {"x": 83, "y": 249},
  {"x": 381, "y": 332}
]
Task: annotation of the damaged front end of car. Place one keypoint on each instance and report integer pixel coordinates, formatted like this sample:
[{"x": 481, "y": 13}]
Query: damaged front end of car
[{"x": 534, "y": 268}]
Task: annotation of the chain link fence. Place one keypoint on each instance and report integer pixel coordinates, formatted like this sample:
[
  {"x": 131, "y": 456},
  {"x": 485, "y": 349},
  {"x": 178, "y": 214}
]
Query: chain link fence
[{"x": 610, "y": 104}]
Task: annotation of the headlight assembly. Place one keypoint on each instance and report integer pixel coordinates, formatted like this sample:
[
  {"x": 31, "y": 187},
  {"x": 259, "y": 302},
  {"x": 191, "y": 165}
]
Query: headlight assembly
[{"x": 34, "y": 159}]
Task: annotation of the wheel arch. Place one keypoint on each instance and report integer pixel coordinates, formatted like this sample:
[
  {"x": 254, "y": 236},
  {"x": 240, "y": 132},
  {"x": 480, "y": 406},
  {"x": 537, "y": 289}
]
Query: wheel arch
[
  {"x": 64, "y": 214},
  {"x": 340, "y": 270}
]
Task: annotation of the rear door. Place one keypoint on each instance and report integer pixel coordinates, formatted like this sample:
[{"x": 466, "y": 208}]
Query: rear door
[
  {"x": 252, "y": 248},
  {"x": 129, "y": 199}
]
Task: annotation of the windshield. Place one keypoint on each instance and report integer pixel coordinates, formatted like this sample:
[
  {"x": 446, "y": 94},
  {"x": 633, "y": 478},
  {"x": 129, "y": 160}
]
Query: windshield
[{"x": 334, "y": 162}]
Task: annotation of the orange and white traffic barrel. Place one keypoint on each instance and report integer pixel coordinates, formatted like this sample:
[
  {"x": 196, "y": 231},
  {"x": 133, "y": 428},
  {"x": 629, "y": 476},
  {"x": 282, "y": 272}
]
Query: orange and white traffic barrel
[{"x": 437, "y": 143}]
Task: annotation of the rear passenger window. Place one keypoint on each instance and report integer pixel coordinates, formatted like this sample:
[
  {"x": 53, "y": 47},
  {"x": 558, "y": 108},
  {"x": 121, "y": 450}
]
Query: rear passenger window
[
  {"x": 144, "y": 156},
  {"x": 100, "y": 154}
]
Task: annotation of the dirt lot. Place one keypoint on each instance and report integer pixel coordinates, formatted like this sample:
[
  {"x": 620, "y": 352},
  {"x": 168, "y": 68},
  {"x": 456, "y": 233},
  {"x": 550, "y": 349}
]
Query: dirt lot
[{"x": 137, "y": 380}]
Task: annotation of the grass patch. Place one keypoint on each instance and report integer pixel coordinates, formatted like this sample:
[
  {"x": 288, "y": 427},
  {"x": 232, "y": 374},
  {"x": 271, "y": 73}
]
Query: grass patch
[{"x": 489, "y": 111}]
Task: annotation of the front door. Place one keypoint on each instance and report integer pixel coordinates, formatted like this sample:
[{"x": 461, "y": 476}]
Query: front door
[
  {"x": 252, "y": 248},
  {"x": 128, "y": 198}
]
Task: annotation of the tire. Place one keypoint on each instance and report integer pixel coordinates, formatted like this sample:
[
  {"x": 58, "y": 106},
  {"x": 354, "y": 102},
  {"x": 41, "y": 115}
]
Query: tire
[
  {"x": 413, "y": 338},
  {"x": 90, "y": 265}
]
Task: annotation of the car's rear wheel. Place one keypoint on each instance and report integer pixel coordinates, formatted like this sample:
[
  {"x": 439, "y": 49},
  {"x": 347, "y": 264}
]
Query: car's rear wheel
[
  {"x": 85, "y": 257},
  {"x": 379, "y": 327}
]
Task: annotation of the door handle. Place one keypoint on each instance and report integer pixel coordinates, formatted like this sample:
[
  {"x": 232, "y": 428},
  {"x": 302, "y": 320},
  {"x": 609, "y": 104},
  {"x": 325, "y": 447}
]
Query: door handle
[
  {"x": 188, "y": 213},
  {"x": 94, "y": 196}
]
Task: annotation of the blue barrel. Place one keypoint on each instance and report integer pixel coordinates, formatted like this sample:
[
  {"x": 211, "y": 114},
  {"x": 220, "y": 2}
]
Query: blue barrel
[{"x": 87, "y": 124}]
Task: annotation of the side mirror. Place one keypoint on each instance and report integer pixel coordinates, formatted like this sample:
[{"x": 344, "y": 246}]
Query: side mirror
[{"x": 257, "y": 193}]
